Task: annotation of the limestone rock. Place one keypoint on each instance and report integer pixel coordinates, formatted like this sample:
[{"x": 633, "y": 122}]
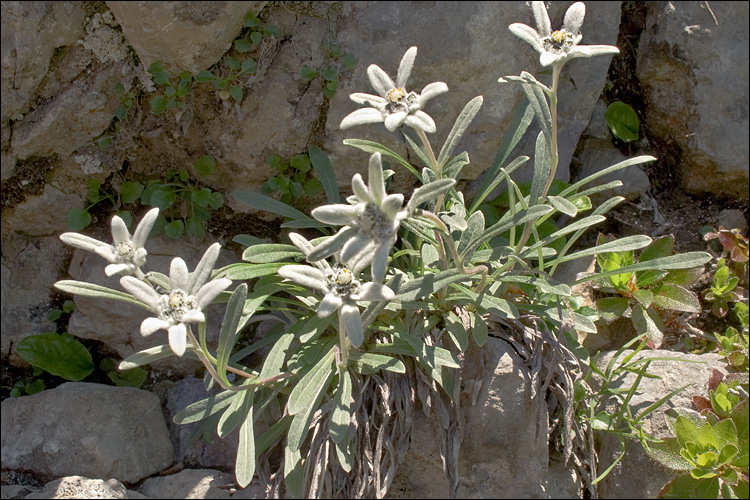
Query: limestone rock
[
  {"x": 693, "y": 66},
  {"x": 468, "y": 46},
  {"x": 82, "y": 487},
  {"x": 158, "y": 31},
  {"x": 30, "y": 266},
  {"x": 190, "y": 483},
  {"x": 86, "y": 429},
  {"x": 504, "y": 453},
  {"x": 637, "y": 475}
]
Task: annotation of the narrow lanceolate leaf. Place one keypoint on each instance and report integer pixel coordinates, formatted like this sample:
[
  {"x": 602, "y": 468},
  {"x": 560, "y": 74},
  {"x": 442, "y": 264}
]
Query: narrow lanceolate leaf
[
  {"x": 538, "y": 102},
  {"x": 309, "y": 401},
  {"x": 268, "y": 204},
  {"x": 367, "y": 363},
  {"x": 275, "y": 359},
  {"x": 542, "y": 169},
  {"x": 457, "y": 332},
  {"x": 462, "y": 123},
  {"x": 429, "y": 192},
  {"x": 681, "y": 261},
  {"x": 206, "y": 407},
  {"x": 474, "y": 227},
  {"x": 308, "y": 387},
  {"x": 294, "y": 473},
  {"x": 243, "y": 271},
  {"x": 614, "y": 168},
  {"x": 374, "y": 147},
  {"x": 621, "y": 245},
  {"x": 98, "y": 291},
  {"x": 341, "y": 414},
  {"x": 676, "y": 298},
  {"x": 146, "y": 356},
  {"x": 325, "y": 172},
  {"x": 563, "y": 205},
  {"x": 228, "y": 333},
  {"x": 520, "y": 217},
  {"x": 244, "y": 467},
  {"x": 267, "y": 253},
  {"x": 428, "y": 284}
]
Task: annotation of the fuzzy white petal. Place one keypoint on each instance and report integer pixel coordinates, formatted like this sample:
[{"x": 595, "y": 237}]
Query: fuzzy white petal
[
  {"x": 574, "y": 18},
  {"x": 380, "y": 262},
  {"x": 178, "y": 338},
  {"x": 527, "y": 34},
  {"x": 194, "y": 316},
  {"x": 203, "y": 270},
  {"x": 376, "y": 292},
  {"x": 394, "y": 120},
  {"x": 375, "y": 178},
  {"x": 541, "y": 17},
  {"x": 367, "y": 99},
  {"x": 392, "y": 204},
  {"x": 592, "y": 50},
  {"x": 301, "y": 242},
  {"x": 353, "y": 246},
  {"x": 550, "y": 58},
  {"x": 361, "y": 117},
  {"x": 82, "y": 241},
  {"x": 120, "y": 232},
  {"x": 422, "y": 121},
  {"x": 336, "y": 214},
  {"x": 404, "y": 68},
  {"x": 210, "y": 291},
  {"x": 113, "y": 269},
  {"x": 178, "y": 274},
  {"x": 304, "y": 275},
  {"x": 151, "y": 325},
  {"x": 331, "y": 245},
  {"x": 380, "y": 80},
  {"x": 353, "y": 323},
  {"x": 141, "y": 291},
  {"x": 107, "y": 252},
  {"x": 144, "y": 227},
  {"x": 434, "y": 89},
  {"x": 361, "y": 190},
  {"x": 329, "y": 305}
]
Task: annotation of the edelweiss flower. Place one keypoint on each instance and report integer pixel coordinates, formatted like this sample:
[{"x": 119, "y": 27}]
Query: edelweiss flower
[
  {"x": 395, "y": 105},
  {"x": 127, "y": 254},
  {"x": 341, "y": 288},
  {"x": 184, "y": 303},
  {"x": 370, "y": 225},
  {"x": 555, "y": 48}
]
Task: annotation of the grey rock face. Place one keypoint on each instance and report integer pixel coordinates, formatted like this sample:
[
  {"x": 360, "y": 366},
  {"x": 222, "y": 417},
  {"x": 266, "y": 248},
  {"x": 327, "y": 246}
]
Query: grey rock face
[
  {"x": 468, "y": 46},
  {"x": 693, "y": 71},
  {"x": 158, "y": 31},
  {"x": 637, "y": 475},
  {"x": 505, "y": 436},
  {"x": 82, "y": 487},
  {"x": 85, "y": 429}
]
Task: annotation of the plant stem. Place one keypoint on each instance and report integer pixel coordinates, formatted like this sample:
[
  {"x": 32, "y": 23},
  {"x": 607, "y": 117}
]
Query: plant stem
[{"x": 434, "y": 165}]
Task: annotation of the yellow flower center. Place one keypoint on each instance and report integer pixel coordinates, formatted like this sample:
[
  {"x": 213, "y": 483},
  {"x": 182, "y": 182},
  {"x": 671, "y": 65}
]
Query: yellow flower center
[
  {"x": 559, "y": 36},
  {"x": 395, "y": 95}
]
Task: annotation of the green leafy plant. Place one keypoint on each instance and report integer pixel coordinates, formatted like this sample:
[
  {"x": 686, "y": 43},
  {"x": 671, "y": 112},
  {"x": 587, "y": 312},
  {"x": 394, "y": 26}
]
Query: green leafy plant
[
  {"x": 734, "y": 250},
  {"x": 80, "y": 218},
  {"x": 623, "y": 121},
  {"x": 60, "y": 355},
  {"x": 340, "y": 62},
  {"x": 724, "y": 290},
  {"x": 733, "y": 345},
  {"x": 294, "y": 179},
  {"x": 173, "y": 89},
  {"x": 385, "y": 288},
  {"x": 647, "y": 295},
  {"x": 185, "y": 204},
  {"x": 710, "y": 447}
]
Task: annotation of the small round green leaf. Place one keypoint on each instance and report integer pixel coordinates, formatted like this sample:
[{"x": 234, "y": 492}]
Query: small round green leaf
[
  {"x": 249, "y": 65},
  {"x": 236, "y": 93},
  {"x": 233, "y": 63},
  {"x": 273, "y": 30},
  {"x": 204, "y": 76},
  {"x": 205, "y": 165},
  {"x": 349, "y": 60},
  {"x": 158, "y": 104},
  {"x": 130, "y": 191},
  {"x": 256, "y": 37},
  {"x": 77, "y": 219},
  {"x": 307, "y": 72},
  {"x": 174, "y": 229},
  {"x": 60, "y": 355},
  {"x": 242, "y": 45},
  {"x": 330, "y": 73},
  {"x": 623, "y": 121},
  {"x": 196, "y": 227}
]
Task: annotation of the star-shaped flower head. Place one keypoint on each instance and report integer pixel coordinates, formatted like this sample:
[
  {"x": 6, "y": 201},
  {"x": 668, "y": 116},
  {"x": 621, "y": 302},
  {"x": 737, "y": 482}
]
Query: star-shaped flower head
[
  {"x": 190, "y": 293},
  {"x": 126, "y": 255},
  {"x": 370, "y": 223},
  {"x": 340, "y": 286},
  {"x": 395, "y": 105},
  {"x": 556, "y": 47}
]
